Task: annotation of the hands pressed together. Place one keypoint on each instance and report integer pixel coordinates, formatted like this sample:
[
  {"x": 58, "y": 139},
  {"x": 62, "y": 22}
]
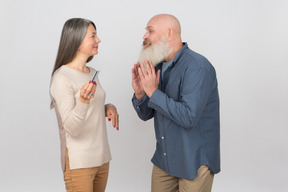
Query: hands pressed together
[{"x": 144, "y": 81}]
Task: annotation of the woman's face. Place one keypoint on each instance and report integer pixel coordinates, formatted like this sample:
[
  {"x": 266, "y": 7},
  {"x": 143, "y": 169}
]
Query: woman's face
[{"x": 89, "y": 46}]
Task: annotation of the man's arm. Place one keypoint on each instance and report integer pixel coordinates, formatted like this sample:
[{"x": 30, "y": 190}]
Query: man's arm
[
  {"x": 194, "y": 94},
  {"x": 141, "y": 107},
  {"x": 140, "y": 99}
]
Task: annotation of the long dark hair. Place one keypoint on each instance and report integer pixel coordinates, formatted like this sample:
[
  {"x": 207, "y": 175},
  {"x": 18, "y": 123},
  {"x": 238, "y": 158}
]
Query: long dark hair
[{"x": 73, "y": 33}]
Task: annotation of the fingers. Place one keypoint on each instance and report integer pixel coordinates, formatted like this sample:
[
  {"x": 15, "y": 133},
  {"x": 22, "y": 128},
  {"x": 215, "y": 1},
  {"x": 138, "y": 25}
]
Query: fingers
[
  {"x": 141, "y": 71},
  {"x": 158, "y": 75},
  {"x": 114, "y": 116},
  {"x": 148, "y": 69},
  {"x": 115, "y": 121},
  {"x": 135, "y": 73},
  {"x": 84, "y": 90},
  {"x": 148, "y": 66},
  {"x": 151, "y": 67},
  {"x": 93, "y": 89},
  {"x": 88, "y": 90}
]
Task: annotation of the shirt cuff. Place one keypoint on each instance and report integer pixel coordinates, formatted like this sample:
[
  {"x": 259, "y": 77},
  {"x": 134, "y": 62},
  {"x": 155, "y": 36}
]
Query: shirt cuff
[{"x": 137, "y": 103}]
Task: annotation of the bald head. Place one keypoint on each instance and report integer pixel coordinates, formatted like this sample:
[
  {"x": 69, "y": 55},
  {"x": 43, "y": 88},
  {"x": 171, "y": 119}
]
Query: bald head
[
  {"x": 164, "y": 27},
  {"x": 166, "y": 21}
]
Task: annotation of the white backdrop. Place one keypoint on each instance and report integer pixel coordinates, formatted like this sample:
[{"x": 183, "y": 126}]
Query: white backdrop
[{"x": 245, "y": 40}]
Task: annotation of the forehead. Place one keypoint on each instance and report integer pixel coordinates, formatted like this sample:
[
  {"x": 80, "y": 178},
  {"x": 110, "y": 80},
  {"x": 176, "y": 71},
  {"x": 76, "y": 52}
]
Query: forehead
[
  {"x": 152, "y": 24},
  {"x": 157, "y": 23},
  {"x": 91, "y": 29}
]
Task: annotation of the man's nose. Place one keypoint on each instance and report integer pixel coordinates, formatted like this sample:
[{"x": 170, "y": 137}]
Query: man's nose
[{"x": 145, "y": 36}]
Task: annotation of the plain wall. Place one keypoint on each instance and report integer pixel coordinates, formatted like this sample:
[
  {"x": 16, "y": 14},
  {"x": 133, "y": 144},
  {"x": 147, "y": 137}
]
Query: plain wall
[{"x": 245, "y": 40}]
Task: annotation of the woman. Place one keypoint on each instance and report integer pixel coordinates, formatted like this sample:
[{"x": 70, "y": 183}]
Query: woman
[{"x": 80, "y": 109}]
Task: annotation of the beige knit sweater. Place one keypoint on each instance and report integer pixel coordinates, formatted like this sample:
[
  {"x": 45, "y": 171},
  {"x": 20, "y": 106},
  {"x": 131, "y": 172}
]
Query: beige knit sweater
[{"x": 82, "y": 127}]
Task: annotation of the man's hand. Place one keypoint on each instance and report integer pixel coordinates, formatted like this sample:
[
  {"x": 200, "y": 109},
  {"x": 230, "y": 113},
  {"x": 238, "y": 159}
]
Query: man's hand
[
  {"x": 136, "y": 82},
  {"x": 149, "y": 79}
]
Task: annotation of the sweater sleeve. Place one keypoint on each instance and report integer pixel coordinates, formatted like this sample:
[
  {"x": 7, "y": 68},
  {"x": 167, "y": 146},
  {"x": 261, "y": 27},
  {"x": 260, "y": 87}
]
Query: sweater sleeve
[{"x": 71, "y": 110}]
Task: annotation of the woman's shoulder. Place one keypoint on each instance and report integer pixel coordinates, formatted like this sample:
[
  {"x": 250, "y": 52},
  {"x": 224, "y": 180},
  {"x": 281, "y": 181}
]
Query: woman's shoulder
[
  {"x": 60, "y": 76},
  {"x": 62, "y": 72}
]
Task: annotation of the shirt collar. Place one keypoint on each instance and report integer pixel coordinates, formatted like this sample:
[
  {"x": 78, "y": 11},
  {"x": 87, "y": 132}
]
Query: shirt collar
[
  {"x": 177, "y": 56},
  {"x": 180, "y": 52}
]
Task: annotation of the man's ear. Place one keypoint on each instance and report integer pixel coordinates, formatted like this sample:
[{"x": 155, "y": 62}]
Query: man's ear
[{"x": 171, "y": 33}]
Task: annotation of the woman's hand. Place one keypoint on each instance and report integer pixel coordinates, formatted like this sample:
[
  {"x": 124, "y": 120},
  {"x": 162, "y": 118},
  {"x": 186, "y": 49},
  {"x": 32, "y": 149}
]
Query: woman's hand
[
  {"x": 87, "y": 92},
  {"x": 111, "y": 113}
]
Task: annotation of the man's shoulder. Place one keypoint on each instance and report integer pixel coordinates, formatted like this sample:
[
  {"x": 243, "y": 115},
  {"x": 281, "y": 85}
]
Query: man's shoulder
[
  {"x": 193, "y": 54},
  {"x": 193, "y": 59},
  {"x": 187, "y": 51}
]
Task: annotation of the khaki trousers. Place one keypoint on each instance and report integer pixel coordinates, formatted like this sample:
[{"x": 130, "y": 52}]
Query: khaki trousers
[
  {"x": 87, "y": 179},
  {"x": 162, "y": 182}
]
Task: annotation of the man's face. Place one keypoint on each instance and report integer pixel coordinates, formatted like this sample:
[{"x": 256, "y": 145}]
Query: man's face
[
  {"x": 153, "y": 33},
  {"x": 155, "y": 45}
]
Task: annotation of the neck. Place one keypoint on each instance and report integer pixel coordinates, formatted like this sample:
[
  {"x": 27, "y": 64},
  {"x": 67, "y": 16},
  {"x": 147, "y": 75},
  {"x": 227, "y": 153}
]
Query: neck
[
  {"x": 175, "y": 50},
  {"x": 79, "y": 63}
]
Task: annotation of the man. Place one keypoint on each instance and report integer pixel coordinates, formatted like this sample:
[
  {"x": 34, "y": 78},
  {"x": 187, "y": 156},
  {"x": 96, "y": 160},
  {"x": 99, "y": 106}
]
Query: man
[{"x": 178, "y": 88}]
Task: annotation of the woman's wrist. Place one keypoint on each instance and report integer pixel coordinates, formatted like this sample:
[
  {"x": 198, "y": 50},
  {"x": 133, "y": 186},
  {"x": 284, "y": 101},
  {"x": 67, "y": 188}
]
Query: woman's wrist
[{"x": 85, "y": 101}]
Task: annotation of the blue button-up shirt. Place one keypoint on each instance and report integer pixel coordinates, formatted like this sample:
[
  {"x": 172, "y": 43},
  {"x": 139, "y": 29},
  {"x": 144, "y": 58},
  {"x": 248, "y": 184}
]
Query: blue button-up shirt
[{"x": 185, "y": 108}]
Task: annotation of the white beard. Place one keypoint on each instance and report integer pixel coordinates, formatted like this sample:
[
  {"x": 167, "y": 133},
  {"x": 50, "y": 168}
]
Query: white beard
[{"x": 156, "y": 53}]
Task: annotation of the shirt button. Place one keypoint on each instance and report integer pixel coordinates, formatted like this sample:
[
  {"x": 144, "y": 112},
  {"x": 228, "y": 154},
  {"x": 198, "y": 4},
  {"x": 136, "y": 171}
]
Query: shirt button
[
  {"x": 164, "y": 153},
  {"x": 162, "y": 137}
]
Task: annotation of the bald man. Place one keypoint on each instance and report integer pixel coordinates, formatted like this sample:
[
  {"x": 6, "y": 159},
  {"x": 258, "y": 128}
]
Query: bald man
[{"x": 178, "y": 88}]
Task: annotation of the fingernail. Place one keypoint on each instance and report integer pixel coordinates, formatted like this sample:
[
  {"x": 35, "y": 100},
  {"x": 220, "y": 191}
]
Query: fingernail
[
  {"x": 94, "y": 82},
  {"x": 117, "y": 128},
  {"x": 89, "y": 82}
]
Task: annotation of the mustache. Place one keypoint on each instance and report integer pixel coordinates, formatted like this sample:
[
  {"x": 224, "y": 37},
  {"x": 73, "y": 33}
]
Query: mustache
[{"x": 147, "y": 42}]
